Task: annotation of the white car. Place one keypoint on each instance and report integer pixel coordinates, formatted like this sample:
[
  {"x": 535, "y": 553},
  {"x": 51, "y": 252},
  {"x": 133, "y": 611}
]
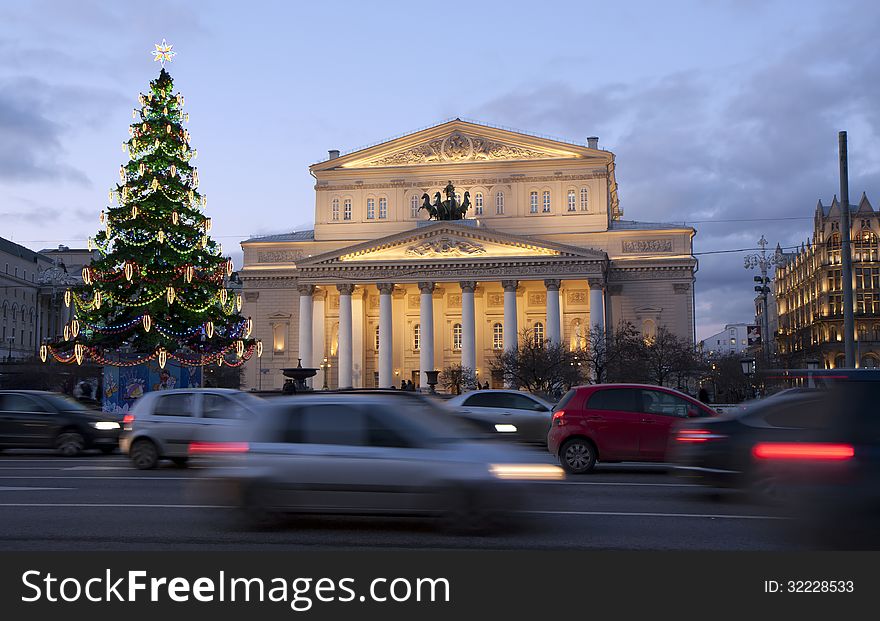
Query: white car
[
  {"x": 515, "y": 414},
  {"x": 367, "y": 454}
]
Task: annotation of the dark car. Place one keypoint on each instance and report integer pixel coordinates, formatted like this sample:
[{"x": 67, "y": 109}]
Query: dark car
[
  {"x": 617, "y": 422},
  {"x": 35, "y": 419}
]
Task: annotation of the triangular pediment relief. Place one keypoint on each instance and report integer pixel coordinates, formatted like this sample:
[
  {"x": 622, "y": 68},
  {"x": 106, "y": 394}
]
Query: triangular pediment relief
[
  {"x": 458, "y": 142},
  {"x": 450, "y": 242}
]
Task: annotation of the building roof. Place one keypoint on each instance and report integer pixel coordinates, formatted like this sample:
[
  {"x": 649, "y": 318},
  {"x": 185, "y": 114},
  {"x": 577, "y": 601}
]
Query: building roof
[
  {"x": 633, "y": 225},
  {"x": 10, "y": 247},
  {"x": 293, "y": 236}
]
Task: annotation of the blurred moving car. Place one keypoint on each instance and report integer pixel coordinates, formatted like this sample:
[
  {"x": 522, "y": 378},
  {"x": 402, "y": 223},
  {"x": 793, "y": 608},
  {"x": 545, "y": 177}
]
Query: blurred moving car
[
  {"x": 367, "y": 454},
  {"x": 617, "y": 422},
  {"x": 162, "y": 424},
  {"x": 36, "y": 419},
  {"x": 512, "y": 413}
]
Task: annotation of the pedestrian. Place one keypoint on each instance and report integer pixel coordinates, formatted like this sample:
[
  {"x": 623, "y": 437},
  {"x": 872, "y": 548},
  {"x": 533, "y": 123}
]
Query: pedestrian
[
  {"x": 703, "y": 395},
  {"x": 403, "y": 385},
  {"x": 410, "y": 386},
  {"x": 486, "y": 385}
]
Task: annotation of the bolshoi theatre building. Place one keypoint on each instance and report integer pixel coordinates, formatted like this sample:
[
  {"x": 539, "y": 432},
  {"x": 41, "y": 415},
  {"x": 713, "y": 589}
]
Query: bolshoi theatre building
[{"x": 383, "y": 290}]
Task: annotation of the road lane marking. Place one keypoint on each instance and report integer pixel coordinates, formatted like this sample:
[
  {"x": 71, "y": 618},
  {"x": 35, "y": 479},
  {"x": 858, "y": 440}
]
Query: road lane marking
[
  {"x": 111, "y": 505},
  {"x": 98, "y": 468},
  {"x": 619, "y": 483},
  {"x": 108, "y": 478},
  {"x": 32, "y": 489},
  {"x": 726, "y": 516}
]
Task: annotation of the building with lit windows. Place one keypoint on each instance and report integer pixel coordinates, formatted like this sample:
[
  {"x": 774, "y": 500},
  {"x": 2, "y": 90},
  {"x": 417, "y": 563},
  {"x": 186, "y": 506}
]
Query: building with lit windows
[
  {"x": 809, "y": 291},
  {"x": 734, "y": 339},
  {"x": 383, "y": 293}
]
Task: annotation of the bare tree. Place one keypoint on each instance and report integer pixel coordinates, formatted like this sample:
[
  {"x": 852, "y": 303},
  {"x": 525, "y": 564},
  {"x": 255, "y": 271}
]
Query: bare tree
[
  {"x": 608, "y": 353},
  {"x": 540, "y": 366},
  {"x": 664, "y": 354},
  {"x": 456, "y": 379}
]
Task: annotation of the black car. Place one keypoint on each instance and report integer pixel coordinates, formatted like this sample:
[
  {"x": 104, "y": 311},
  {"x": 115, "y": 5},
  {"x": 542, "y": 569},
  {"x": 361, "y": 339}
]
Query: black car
[{"x": 35, "y": 419}]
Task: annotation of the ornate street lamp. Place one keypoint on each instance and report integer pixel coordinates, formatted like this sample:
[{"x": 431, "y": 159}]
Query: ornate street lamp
[{"x": 325, "y": 367}]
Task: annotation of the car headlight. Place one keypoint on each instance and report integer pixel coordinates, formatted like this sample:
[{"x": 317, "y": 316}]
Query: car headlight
[
  {"x": 105, "y": 425},
  {"x": 527, "y": 472}
]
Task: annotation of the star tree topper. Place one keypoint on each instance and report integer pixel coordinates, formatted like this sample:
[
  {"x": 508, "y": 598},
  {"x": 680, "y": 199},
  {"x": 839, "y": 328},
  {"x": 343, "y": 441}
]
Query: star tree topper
[{"x": 163, "y": 53}]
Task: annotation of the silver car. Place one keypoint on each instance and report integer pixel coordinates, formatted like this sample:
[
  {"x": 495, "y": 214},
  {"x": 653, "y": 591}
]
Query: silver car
[
  {"x": 512, "y": 413},
  {"x": 367, "y": 454},
  {"x": 162, "y": 424}
]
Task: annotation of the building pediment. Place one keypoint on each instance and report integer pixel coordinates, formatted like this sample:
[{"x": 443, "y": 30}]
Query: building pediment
[
  {"x": 448, "y": 241},
  {"x": 459, "y": 142}
]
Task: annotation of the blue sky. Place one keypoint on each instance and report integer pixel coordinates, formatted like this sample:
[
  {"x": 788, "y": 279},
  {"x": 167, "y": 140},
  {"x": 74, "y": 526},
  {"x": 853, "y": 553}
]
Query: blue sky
[{"x": 722, "y": 113}]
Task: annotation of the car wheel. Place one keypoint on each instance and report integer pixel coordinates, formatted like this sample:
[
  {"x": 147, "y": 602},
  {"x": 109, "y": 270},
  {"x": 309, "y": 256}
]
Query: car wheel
[
  {"x": 144, "y": 455},
  {"x": 577, "y": 456},
  {"x": 70, "y": 443},
  {"x": 180, "y": 462}
]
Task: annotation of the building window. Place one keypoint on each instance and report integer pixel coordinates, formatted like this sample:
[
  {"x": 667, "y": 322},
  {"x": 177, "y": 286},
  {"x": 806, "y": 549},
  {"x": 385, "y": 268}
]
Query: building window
[
  {"x": 585, "y": 199},
  {"x": 834, "y": 248},
  {"x": 383, "y": 208},
  {"x": 346, "y": 209},
  {"x": 499, "y": 203},
  {"x": 417, "y": 337},
  {"x": 539, "y": 333},
  {"x": 478, "y": 204},
  {"x": 279, "y": 331},
  {"x": 456, "y": 336},
  {"x": 869, "y": 362},
  {"x": 572, "y": 200},
  {"x": 371, "y": 208},
  {"x": 377, "y": 338},
  {"x": 498, "y": 336},
  {"x": 863, "y": 333},
  {"x": 533, "y": 202},
  {"x": 866, "y": 246},
  {"x": 334, "y": 210},
  {"x": 414, "y": 206},
  {"x": 546, "y": 198}
]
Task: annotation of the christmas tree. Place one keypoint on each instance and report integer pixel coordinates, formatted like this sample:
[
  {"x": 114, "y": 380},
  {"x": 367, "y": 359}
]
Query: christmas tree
[{"x": 158, "y": 291}]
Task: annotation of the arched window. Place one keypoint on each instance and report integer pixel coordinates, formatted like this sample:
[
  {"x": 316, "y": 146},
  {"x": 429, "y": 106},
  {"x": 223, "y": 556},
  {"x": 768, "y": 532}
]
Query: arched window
[
  {"x": 866, "y": 246},
  {"x": 383, "y": 208},
  {"x": 478, "y": 204},
  {"x": 546, "y": 201},
  {"x": 863, "y": 332},
  {"x": 832, "y": 334},
  {"x": 649, "y": 329},
  {"x": 371, "y": 208},
  {"x": 539, "y": 333},
  {"x": 533, "y": 201},
  {"x": 334, "y": 209},
  {"x": 497, "y": 336},
  {"x": 572, "y": 201},
  {"x": 839, "y": 361},
  {"x": 414, "y": 206},
  {"x": 456, "y": 336},
  {"x": 877, "y": 332},
  {"x": 417, "y": 337},
  {"x": 585, "y": 199},
  {"x": 869, "y": 361},
  {"x": 346, "y": 209},
  {"x": 834, "y": 248},
  {"x": 499, "y": 203}
]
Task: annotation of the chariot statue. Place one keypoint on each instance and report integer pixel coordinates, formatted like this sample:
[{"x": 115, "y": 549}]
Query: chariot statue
[{"x": 450, "y": 209}]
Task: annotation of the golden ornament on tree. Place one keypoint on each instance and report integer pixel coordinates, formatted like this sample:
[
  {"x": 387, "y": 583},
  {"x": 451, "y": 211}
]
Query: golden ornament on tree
[
  {"x": 248, "y": 326},
  {"x": 74, "y": 328},
  {"x": 188, "y": 273},
  {"x": 44, "y": 352},
  {"x": 87, "y": 275},
  {"x": 161, "y": 236},
  {"x": 79, "y": 352},
  {"x": 147, "y": 322},
  {"x": 129, "y": 271},
  {"x": 169, "y": 295},
  {"x": 239, "y": 348},
  {"x": 98, "y": 299},
  {"x": 66, "y": 333},
  {"x": 209, "y": 329},
  {"x": 259, "y": 349},
  {"x": 223, "y": 295},
  {"x": 67, "y": 298},
  {"x": 238, "y": 302},
  {"x": 163, "y": 357}
]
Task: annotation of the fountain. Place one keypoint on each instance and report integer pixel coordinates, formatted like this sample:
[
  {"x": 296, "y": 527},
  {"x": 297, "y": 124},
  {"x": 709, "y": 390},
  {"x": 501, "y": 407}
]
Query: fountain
[{"x": 297, "y": 378}]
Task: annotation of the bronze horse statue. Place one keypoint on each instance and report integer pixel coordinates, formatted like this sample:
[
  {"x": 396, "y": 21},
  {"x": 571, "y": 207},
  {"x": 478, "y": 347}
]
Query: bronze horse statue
[{"x": 450, "y": 209}]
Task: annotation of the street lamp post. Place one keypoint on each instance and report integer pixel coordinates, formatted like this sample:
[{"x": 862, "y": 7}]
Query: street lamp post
[
  {"x": 325, "y": 367},
  {"x": 763, "y": 263},
  {"x": 748, "y": 369}
]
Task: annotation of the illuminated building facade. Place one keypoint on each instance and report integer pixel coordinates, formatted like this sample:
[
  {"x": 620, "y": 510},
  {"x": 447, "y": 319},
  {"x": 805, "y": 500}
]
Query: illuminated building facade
[
  {"x": 809, "y": 291},
  {"x": 384, "y": 294}
]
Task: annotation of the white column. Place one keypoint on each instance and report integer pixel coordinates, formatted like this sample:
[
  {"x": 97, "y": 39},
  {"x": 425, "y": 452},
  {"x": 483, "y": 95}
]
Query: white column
[
  {"x": 305, "y": 326},
  {"x": 426, "y": 334},
  {"x": 358, "y": 341},
  {"x": 597, "y": 304},
  {"x": 553, "y": 333},
  {"x": 468, "y": 328},
  {"x": 386, "y": 341},
  {"x": 344, "y": 346},
  {"x": 319, "y": 342},
  {"x": 511, "y": 332}
]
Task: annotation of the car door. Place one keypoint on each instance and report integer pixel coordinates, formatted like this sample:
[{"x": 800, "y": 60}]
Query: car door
[
  {"x": 613, "y": 419},
  {"x": 660, "y": 410},
  {"x": 26, "y": 421},
  {"x": 487, "y": 408},
  {"x": 530, "y": 416},
  {"x": 223, "y": 418},
  {"x": 175, "y": 422}
]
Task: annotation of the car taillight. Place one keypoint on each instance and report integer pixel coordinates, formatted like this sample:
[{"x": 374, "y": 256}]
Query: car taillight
[
  {"x": 128, "y": 419},
  {"x": 697, "y": 435},
  {"x": 201, "y": 448},
  {"x": 559, "y": 418},
  {"x": 810, "y": 451}
]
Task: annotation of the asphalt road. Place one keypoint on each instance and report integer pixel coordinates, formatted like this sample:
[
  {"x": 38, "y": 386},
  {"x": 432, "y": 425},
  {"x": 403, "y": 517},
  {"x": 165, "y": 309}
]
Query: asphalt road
[{"x": 98, "y": 502}]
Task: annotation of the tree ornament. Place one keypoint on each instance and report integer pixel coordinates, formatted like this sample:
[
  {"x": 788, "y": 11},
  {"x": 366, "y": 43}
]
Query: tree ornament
[
  {"x": 165, "y": 110},
  {"x": 163, "y": 53},
  {"x": 239, "y": 348},
  {"x": 161, "y": 236},
  {"x": 188, "y": 273},
  {"x": 66, "y": 333},
  {"x": 259, "y": 349},
  {"x": 109, "y": 229},
  {"x": 67, "y": 298},
  {"x": 173, "y": 170},
  {"x": 229, "y": 266},
  {"x": 156, "y": 143},
  {"x": 168, "y": 128},
  {"x": 44, "y": 352},
  {"x": 169, "y": 295},
  {"x": 223, "y": 295},
  {"x": 87, "y": 275},
  {"x": 129, "y": 271},
  {"x": 155, "y": 184},
  {"x": 207, "y": 224},
  {"x": 141, "y": 168},
  {"x": 248, "y": 326},
  {"x": 204, "y": 241},
  {"x": 134, "y": 211},
  {"x": 122, "y": 173},
  {"x": 163, "y": 357},
  {"x": 209, "y": 329},
  {"x": 89, "y": 243},
  {"x": 238, "y": 304},
  {"x": 101, "y": 217},
  {"x": 220, "y": 360},
  {"x": 98, "y": 299},
  {"x": 74, "y": 328},
  {"x": 174, "y": 217},
  {"x": 147, "y": 322},
  {"x": 79, "y": 352}
]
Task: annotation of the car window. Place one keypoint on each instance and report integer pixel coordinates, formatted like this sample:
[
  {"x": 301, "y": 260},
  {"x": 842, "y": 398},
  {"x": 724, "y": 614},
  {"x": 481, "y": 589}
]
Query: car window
[
  {"x": 659, "y": 402},
  {"x": 221, "y": 406},
  {"x": 521, "y": 402},
  {"x": 486, "y": 400},
  {"x": 177, "y": 404},
  {"x": 20, "y": 403},
  {"x": 565, "y": 399},
  {"x": 335, "y": 423},
  {"x": 802, "y": 414},
  {"x": 65, "y": 403},
  {"x": 383, "y": 431},
  {"x": 620, "y": 399}
]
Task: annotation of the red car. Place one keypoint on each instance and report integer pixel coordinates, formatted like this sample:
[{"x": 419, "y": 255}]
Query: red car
[{"x": 617, "y": 422}]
